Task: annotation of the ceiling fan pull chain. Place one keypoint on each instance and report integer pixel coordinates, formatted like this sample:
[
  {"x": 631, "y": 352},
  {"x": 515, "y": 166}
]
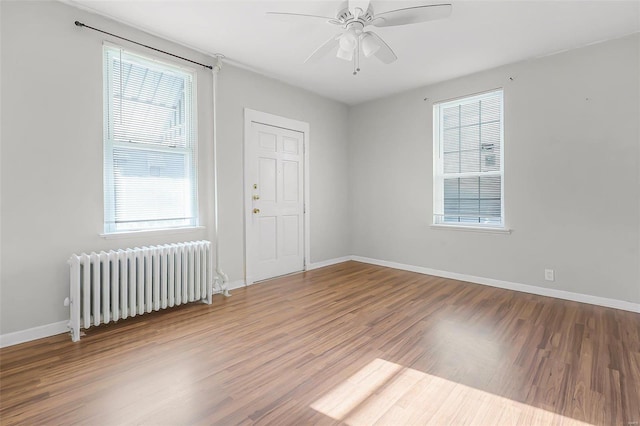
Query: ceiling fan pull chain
[{"x": 356, "y": 62}]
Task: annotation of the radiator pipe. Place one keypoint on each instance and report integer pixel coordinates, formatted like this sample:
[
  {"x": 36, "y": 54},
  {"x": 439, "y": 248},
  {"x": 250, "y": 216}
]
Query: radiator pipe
[{"x": 221, "y": 278}]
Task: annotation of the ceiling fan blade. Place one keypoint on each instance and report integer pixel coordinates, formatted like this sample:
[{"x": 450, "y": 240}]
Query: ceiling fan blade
[
  {"x": 300, "y": 17},
  {"x": 412, "y": 15},
  {"x": 385, "y": 54},
  {"x": 324, "y": 49}
]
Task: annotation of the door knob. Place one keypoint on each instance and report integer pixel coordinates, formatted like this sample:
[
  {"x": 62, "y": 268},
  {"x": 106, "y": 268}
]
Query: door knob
[{"x": 256, "y": 211}]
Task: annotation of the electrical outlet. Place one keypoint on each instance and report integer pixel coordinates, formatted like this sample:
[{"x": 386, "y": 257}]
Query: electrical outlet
[{"x": 549, "y": 275}]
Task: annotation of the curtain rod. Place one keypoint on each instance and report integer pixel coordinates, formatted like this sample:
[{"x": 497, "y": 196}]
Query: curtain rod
[{"x": 80, "y": 24}]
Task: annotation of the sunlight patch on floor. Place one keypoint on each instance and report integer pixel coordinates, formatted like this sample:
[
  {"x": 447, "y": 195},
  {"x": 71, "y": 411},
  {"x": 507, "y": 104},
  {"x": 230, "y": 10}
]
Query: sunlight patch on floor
[{"x": 388, "y": 393}]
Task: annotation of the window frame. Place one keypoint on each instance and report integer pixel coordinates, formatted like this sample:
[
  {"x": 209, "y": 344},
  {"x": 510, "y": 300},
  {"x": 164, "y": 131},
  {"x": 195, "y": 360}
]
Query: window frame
[
  {"x": 110, "y": 229},
  {"x": 439, "y": 175}
]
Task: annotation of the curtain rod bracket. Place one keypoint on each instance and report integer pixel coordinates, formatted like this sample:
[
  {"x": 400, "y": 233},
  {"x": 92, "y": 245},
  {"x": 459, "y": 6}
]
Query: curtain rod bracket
[{"x": 218, "y": 65}]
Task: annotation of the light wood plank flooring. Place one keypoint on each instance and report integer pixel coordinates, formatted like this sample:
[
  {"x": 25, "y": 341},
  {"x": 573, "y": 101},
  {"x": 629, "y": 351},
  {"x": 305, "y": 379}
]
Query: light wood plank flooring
[{"x": 348, "y": 344}]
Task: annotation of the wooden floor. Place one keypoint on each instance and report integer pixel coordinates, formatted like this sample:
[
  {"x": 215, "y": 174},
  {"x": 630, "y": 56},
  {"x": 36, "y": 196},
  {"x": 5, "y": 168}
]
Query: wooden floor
[{"x": 347, "y": 344}]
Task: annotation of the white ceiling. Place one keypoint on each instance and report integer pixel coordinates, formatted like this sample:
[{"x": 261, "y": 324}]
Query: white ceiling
[{"x": 479, "y": 35}]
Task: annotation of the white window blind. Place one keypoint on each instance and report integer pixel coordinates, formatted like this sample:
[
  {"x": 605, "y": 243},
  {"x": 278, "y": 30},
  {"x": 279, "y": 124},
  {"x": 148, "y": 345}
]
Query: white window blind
[
  {"x": 468, "y": 161},
  {"x": 150, "y": 145}
]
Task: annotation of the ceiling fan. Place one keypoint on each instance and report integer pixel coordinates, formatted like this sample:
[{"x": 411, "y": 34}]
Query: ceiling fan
[{"x": 354, "y": 16}]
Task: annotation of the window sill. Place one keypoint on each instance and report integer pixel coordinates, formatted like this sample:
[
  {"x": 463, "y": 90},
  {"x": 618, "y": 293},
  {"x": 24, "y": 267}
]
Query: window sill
[
  {"x": 151, "y": 232},
  {"x": 482, "y": 229}
]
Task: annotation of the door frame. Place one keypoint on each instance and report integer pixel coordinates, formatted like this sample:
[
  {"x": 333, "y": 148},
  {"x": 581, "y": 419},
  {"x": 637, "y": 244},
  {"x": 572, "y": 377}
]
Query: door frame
[{"x": 251, "y": 116}]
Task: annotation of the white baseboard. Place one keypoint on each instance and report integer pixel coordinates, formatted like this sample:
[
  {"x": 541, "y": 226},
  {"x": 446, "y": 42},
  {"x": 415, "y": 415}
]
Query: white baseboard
[
  {"x": 541, "y": 291},
  {"x": 329, "y": 262},
  {"x": 48, "y": 330},
  {"x": 34, "y": 333},
  {"x": 236, "y": 284}
]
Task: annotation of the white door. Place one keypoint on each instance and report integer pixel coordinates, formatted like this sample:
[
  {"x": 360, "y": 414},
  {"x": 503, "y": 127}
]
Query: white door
[{"x": 274, "y": 182}]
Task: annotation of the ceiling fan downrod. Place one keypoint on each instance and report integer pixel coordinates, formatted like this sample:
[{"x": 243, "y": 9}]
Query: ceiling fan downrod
[{"x": 356, "y": 61}]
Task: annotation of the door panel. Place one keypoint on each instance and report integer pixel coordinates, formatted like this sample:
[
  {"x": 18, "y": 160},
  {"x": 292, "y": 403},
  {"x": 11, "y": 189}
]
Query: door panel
[
  {"x": 275, "y": 227},
  {"x": 290, "y": 231},
  {"x": 267, "y": 179},
  {"x": 267, "y": 141},
  {"x": 268, "y": 231},
  {"x": 289, "y": 145},
  {"x": 291, "y": 184}
]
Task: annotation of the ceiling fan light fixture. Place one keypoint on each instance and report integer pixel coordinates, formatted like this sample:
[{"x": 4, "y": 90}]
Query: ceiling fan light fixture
[
  {"x": 348, "y": 41},
  {"x": 347, "y": 55},
  {"x": 369, "y": 45}
]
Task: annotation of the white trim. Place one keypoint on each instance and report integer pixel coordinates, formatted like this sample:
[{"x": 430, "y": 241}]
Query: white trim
[
  {"x": 307, "y": 194},
  {"x": 525, "y": 288},
  {"x": 328, "y": 262},
  {"x": 541, "y": 291},
  {"x": 467, "y": 99},
  {"x": 485, "y": 229},
  {"x": 236, "y": 284},
  {"x": 61, "y": 327},
  {"x": 250, "y": 116},
  {"x": 48, "y": 330},
  {"x": 151, "y": 232},
  {"x": 34, "y": 333},
  {"x": 162, "y": 60}
]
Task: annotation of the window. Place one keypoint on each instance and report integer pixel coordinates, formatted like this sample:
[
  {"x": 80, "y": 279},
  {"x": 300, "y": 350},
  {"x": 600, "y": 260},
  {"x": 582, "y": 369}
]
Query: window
[
  {"x": 149, "y": 144},
  {"x": 468, "y": 161}
]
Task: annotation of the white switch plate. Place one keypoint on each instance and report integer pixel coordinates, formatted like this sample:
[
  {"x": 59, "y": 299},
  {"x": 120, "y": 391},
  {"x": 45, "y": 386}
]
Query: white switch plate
[{"x": 549, "y": 275}]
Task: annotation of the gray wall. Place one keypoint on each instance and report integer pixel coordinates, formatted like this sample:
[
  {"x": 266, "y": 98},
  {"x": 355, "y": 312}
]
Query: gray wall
[
  {"x": 51, "y": 164},
  {"x": 572, "y": 193}
]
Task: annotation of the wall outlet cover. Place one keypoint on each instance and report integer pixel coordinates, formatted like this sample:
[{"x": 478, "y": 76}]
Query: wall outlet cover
[{"x": 549, "y": 275}]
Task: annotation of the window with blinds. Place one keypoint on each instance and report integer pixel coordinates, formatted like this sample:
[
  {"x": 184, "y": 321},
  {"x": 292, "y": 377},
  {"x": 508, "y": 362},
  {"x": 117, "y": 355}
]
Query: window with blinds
[
  {"x": 468, "y": 161},
  {"x": 150, "y": 144}
]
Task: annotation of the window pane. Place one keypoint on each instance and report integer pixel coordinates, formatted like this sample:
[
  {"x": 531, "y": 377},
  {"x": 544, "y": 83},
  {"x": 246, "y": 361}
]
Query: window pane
[
  {"x": 451, "y": 189},
  {"x": 451, "y": 117},
  {"x": 490, "y": 147},
  {"x": 470, "y": 113},
  {"x": 490, "y": 187},
  {"x": 469, "y": 187},
  {"x": 470, "y": 137},
  {"x": 489, "y": 209},
  {"x": 490, "y": 108},
  {"x": 452, "y": 140},
  {"x": 148, "y": 104},
  {"x": 451, "y": 162},
  {"x": 470, "y": 161},
  {"x": 151, "y": 186},
  {"x": 473, "y": 199}
]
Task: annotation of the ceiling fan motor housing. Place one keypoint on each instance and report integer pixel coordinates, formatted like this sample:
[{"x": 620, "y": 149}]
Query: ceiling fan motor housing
[{"x": 360, "y": 18}]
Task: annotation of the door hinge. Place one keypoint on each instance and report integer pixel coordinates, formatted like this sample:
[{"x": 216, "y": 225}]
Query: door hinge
[{"x": 304, "y": 208}]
